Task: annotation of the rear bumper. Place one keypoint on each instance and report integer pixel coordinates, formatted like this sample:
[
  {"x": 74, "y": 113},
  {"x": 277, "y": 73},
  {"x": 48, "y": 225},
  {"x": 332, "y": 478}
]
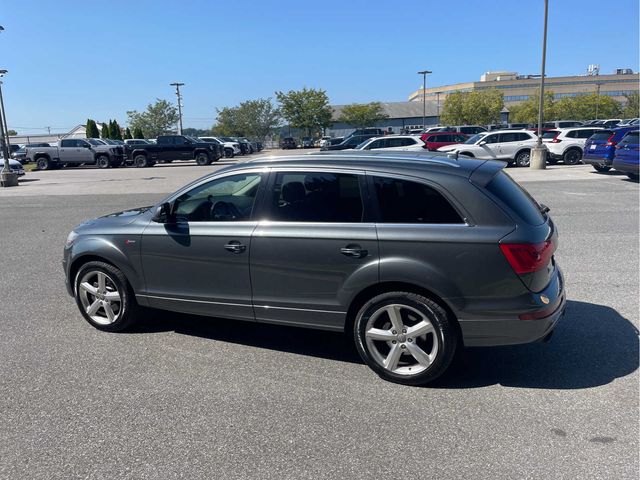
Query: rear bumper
[
  {"x": 625, "y": 167},
  {"x": 600, "y": 161},
  {"x": 514, "y": 331}
]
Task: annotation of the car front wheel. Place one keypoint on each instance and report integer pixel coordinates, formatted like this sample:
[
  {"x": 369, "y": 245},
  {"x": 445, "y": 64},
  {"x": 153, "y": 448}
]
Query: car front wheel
[
  {"x": 405, "y": 338},
  {"x": 104, "y": 297},
  {"x": 523, "y": 159}
]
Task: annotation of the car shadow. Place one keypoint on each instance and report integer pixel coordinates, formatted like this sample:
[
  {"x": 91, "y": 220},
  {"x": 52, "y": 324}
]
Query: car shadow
[
  {"x": 24, "y": 180},
  {"x": 592, "y": 345}
]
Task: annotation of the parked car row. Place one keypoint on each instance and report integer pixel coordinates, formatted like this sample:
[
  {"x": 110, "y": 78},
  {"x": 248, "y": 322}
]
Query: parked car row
[{"x": 616, "y": 148}]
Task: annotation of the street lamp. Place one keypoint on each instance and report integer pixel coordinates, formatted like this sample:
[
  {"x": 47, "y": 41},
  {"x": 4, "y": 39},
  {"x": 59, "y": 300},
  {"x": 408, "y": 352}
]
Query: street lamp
[
  {"x": 538, "y": 156},
  {"x": 424, "y": 74},
  {"x": 8, "y": 178},
  {"x": 178, "y": 85}
]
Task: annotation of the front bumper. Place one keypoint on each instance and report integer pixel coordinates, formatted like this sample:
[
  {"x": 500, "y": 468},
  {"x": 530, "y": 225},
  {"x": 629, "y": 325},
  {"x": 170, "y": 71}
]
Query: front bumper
[{"x": 514, "y": 331}]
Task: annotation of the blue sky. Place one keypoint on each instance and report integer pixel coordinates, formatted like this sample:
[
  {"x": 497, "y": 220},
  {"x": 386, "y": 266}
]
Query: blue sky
[{"x": 71, "y": 60}]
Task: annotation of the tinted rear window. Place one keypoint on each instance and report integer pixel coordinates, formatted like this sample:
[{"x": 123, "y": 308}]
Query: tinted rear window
[
  {"x": 550, "y": 134},
  {"x": 601, "y": 135},
  {"x": 516, "y": 198}
]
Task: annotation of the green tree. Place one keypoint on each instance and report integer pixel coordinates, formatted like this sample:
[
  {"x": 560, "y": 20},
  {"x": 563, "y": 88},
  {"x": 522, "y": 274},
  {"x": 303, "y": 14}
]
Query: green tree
[
  {"x": 127, "y": 134},
  {"x": 585, "y": 107},
  {"x": 527, "y": 111},
  {"x": 104, "y": 130},
  {"x": 228, "y": 123},
  {"x": 632, "y": 107},
  {"x": 159, "y": 118},
  {"x": 306, "y": 109},
  {"x": 92, "y": 129},
  {"x": 137, "y": 132},
  {"x": 115, "y": 132},
  {"x": 362, "y": 115},
  {"x": 252, "y": 118},
  {"x": 196, "y": 132},
  {"x": 478, "y": 107}
]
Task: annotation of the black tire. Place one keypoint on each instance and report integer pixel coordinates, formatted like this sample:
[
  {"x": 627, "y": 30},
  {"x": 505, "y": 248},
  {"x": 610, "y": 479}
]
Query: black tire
[
  {"x": 103, "y": 162},
  {"x": 43, "y": 163},
  {"x": 228, "y": 153},
  {"x": 141, "y": 161},
  {"x": 127, "y": 311},
  {"x": 202, "y": 159},
  {"x": 601, "y": 168},
  {"x": 551, "y": 161},
  {"x": 573, "y": 156},
  {"x": 444, "y": 332},
  {"x": 523, "y": 158}
]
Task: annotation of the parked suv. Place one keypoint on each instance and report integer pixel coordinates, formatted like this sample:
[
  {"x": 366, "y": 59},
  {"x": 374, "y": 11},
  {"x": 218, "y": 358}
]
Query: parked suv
[
  {"x": 349, "y": 142},
  {"x": 511, "y": 146},
  {"x": 404, "y": 143},
  {"x": 414, "y": 255},
  {"x": 567, "y": 144},
  {"x": 627, "y": 156},
  {"x": 435, "y": 140},
  {"x": 600, "y": 148}
]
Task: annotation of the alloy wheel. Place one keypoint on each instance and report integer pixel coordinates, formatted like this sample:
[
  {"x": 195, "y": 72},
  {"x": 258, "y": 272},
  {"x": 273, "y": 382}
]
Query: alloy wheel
[
  {"x": 401, "y": 339},
  {"x": 100, "y": 297}
]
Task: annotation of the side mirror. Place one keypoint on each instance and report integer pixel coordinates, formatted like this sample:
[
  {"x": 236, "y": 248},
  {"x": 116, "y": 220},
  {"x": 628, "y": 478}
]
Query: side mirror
[
  {"x": 164, "y": 213},
  {"x": 86, "y": 145},
  {"x": 483, "y": 142}
]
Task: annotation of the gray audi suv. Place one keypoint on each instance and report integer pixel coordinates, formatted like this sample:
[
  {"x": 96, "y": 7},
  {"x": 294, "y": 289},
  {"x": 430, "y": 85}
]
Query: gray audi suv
[{"x": 414, "y": 254}]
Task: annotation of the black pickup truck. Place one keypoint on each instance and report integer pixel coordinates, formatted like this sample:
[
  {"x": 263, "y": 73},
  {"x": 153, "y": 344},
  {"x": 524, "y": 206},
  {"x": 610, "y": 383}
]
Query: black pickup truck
[{"x": 173, "y": 147}]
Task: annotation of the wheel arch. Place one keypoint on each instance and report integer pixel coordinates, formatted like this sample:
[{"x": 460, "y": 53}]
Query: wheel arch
[
  {"x": 121, "y": 264},
  {"x": 371, "y": 291}
]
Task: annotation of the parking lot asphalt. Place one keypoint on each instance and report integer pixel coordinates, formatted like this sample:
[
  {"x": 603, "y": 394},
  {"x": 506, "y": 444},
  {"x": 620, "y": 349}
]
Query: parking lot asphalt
[{"x": 190, "y": 397}]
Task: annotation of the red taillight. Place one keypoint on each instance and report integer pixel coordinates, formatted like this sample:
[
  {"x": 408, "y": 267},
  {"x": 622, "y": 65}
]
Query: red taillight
[
  {"x": 610, "y": 142},
  {"x": 528, "y": 257},
  {"x": 556, "y": 140}
]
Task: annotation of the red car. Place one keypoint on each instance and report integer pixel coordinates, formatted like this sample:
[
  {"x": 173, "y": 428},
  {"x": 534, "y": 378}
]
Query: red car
[{"x": 435, "y": 140}]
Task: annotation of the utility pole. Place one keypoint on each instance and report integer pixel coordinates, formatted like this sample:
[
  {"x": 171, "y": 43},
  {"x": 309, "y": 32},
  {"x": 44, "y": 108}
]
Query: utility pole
[
  {"x": 49, "y": 130},
  {"x": 424, "y": 96},
  {"x": 8, "y": 178},
  {"x": 178, "y": 85},
  {"x": 538, "y": 156}
]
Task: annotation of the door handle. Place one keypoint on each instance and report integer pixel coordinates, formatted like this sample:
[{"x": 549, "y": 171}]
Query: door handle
[
  {"x": 235, "y": 247},
  {"x": 355, "y": 251}
]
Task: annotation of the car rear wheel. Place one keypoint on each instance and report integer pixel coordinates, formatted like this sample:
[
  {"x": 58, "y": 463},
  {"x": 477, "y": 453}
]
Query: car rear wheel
[
  {"x": 104, "y": 297},
  {"x": 601, "y": 168},
  {"x": 228, "y": 152},
  {"x": 405, "y": 338},
  {"x": 43, "y": 163},
  {"x": 141, "y": 161},
  {"x": 523, "y": 158},
  {"x": 102, "y": 161},
  {"x": 572, "y": 156},
  {"x": 202, "y": 159}
]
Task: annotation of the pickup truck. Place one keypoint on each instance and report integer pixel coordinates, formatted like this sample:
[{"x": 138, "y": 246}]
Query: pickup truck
[
  {"x": 75, "y": 152},
  {"x": 173, "y": 147}
]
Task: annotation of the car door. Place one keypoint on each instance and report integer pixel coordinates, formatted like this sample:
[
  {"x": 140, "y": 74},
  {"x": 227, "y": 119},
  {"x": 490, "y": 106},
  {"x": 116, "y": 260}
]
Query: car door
[
  {"x": 510, "y": 143},
  {"x": 200, "y": 263},
  {"x": 314, "y": 248},
  {"x": 488, "y": 147},
  {"x": 166, "y": 152},
  {"x": 182, "y": 148}
]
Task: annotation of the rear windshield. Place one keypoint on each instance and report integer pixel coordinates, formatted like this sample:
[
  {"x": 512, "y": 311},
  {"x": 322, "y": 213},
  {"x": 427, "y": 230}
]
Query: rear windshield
[
  {"x": 550, "y": 134},
  {"x": 516, "y": 198},
  {"x": 601, "y": 135}
]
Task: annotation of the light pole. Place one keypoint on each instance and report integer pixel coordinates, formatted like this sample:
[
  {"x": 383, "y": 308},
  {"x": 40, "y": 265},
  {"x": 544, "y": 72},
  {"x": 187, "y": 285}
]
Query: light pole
[
  {"x": 178, "y": 85},
  {"x": 8, "y": 178},
  {"x": 424, "y": 74},
  {"x": 538, "y": 155}
]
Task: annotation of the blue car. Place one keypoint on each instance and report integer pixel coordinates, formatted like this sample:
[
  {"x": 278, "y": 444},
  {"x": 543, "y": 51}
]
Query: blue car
[
  {"x": 601, "y": 147},
  {"x": 627, "y": 157}
]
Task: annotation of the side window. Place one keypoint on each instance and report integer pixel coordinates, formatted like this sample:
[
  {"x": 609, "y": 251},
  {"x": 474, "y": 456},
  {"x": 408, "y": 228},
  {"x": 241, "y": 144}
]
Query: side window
[
  {"x": 227, "y": 199},
  {"x": 491, "y": 139},
  {"x": 403, "y": 201},
  {"x": 523, "y": 137},
  {"x": 67, "y": 143},
  {"x": 377, "y": 144},
  {"x": 631, "y": 137},
  {"x": 396, "y": 142},
  {"x": 179, "y": 140},
  {"x": 316, "y": 197},
  {"x": 408, "y": 141},
  {"x": 165, "y": 141},
  {"x": 459, "y": 138},
  {"x": 508, "y": 137},
  {"x": 572, "y": 134}
]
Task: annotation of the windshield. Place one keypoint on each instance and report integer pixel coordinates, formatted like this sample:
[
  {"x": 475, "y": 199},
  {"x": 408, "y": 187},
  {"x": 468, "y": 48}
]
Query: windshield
[
  {"x": 476, "y": 138},
  {"x": 364, "y": 144},
  {"x": 194, "y": 140}
]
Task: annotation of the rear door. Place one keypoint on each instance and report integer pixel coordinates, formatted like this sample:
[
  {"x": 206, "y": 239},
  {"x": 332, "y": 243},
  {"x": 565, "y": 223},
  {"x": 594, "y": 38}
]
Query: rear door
[
  {"x": 628, "y": 150},
  {"x": 314, "y": 249},
  {"x": 167, "y": 148}
]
